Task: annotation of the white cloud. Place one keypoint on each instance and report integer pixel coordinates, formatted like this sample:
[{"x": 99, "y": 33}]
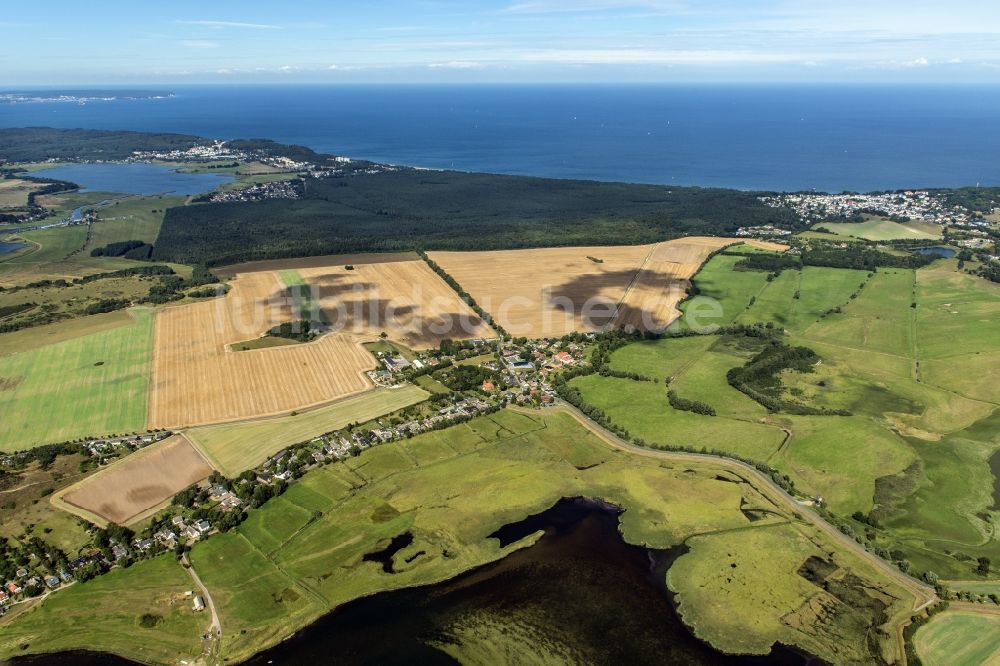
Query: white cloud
[
  {"x": 456, "y": 64},
  {"x": 657, "y": 56},
  {"x": 233, "y": 24},
  {"x": 915, "y": 63}
]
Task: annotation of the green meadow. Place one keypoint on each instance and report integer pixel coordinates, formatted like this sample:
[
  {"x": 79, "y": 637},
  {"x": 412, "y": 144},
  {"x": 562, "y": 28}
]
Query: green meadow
[
  {"x": 959, "y": 638},
  {"x": 643, "y": 409},
  {"x": 104, "y": 614},
  {"x": 300, "y": 555},
  {"x": 91, "y": 385},
  {"x": 880, "y": 229},
  {"x": 913, "y": 355}
]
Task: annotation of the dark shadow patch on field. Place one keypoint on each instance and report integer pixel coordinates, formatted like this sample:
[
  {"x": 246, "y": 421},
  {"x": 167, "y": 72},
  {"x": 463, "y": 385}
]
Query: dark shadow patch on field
[
  {"x": 581, "y": 297},
  {"x": 329, "y": 285},
  {"x": 892, "y": 490},
  {"x": 452, "y": 325},
  {"x": 376, "y": 312}
]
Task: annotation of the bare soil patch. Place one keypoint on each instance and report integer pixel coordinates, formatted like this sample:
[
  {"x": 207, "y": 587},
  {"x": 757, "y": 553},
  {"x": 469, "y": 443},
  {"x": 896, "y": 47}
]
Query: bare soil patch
[{"x": 127, "y": 489}]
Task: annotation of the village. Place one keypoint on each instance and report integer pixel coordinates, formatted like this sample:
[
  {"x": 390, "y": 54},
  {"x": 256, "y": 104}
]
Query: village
[
  {"x": 909, "y": 205},
  {"x": 278, "y": 189}
]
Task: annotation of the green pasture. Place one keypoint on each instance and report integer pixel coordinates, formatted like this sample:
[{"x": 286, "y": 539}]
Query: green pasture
[
  {"x": 642, "y": 408},
  {"x": 104, "y": 615},
  {"x": 881, "y": 229},
  {"x": 959, "y": 638},
  {"x": 91, "y": 385}
]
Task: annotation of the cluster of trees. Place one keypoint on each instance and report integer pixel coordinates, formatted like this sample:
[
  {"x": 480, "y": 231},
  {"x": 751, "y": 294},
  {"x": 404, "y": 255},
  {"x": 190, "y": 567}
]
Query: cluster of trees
[
  {"x": 683, "y": 404},
  {"x": 131, "y": 249},
  {"x": 760, "y": 378},
  {"x": 467, "y": 377},
  {"x": 300, "y": 330},
  {"x": 606, "y": 371},
  {"x": 981, "y": 199},
  {"x": 171, "y": 287},
  {"x": 861, "y": 257},
  {"x": 771, "y": 263},
  {"x": 990, "y": 271},
  {"x": 412, "y": 210},
  {"x": 30, "y": 551},
  {"x": 106, "y": 305}
]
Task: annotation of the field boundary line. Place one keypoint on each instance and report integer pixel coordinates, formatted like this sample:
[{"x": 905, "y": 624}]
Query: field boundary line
[{"x": 630, "y": 286}]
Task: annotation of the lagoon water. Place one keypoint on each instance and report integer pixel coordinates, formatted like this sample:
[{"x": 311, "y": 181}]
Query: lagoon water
[
  {"x": 8, "y": 247},
  {"x": 830, "y": 138},
  {"x": 580, "y": 592},
  {"x": 135, "y": 178},
  {"x": 944, "y": 252}
]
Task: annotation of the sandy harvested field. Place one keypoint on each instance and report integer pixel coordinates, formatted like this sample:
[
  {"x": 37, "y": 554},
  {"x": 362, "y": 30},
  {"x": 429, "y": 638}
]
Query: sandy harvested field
[
  {"x": 197, "y": 380},
  {"x": 327, "y": 260},
  {"x": 766, "y": 245},
  {"x": 14, "y": 193},
  {"x": 141, "y": 481},
  {"x": 547, "y": 291},
  {"x": 406, "y": 300},
  {"x": 663, "y": 281}
]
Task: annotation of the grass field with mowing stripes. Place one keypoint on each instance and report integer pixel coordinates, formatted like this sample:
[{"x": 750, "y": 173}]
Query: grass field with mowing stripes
[{"x": 92, "y": 385}]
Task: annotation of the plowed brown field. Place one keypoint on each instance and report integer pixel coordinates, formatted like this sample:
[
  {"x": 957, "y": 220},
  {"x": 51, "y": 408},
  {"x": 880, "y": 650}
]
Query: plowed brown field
[{"x": 140, "y": 482}]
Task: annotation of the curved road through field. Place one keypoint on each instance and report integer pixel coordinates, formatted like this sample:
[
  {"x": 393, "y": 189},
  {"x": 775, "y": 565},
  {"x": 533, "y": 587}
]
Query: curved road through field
[
  {"x": 214, "y": 629},
  {"x": 924, "y": 595}
]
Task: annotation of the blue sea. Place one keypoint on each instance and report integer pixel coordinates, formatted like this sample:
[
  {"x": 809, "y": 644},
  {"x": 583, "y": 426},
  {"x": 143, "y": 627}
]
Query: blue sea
[{"x": 830, "y": 138}]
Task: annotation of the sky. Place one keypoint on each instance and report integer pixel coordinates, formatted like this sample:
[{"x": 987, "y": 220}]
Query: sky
[{"x": 62, "y": 43}]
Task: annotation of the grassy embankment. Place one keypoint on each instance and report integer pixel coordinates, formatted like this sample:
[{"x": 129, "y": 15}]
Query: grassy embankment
[{"x": 301, "y": 554}]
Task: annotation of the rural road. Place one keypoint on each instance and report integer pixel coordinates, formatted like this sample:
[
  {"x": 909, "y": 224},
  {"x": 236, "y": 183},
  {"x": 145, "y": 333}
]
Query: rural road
[
  {"x": 216, "y": 627},
  {"x": 924, "y": 595}
]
